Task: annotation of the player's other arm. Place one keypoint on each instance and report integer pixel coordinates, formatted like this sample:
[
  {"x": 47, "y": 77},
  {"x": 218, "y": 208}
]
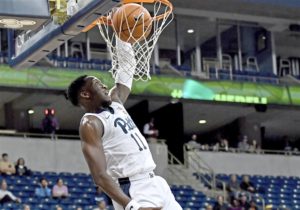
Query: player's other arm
[{"x": 91, "y": 131}]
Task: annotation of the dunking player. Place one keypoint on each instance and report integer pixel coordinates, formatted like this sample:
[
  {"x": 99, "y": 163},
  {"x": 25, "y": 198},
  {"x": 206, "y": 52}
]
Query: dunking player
[{"x": 117, "y": 154}]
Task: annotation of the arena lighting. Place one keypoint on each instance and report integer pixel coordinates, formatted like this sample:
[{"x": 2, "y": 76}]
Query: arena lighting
[
  {"x": 14, "y": 23},
  {"x": 30, "y": 111},
  {"x": 202, "y": 122},
  {"x": 190, "y": 31}
]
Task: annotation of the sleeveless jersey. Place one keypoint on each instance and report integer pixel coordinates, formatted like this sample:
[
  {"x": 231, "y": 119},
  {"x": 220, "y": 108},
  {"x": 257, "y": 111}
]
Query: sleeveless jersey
[{"x": 125, "y": 148}]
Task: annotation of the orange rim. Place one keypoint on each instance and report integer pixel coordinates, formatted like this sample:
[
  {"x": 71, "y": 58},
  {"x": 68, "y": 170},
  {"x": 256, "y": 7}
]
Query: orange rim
[{"x": 107, "y": 20}]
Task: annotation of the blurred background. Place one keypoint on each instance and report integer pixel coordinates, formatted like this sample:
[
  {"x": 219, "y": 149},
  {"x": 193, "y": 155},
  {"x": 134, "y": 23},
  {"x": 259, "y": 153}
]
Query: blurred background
[{"x": 224, "y": 99}]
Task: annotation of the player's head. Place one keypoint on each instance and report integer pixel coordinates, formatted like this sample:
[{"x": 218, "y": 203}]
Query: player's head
[{"x": 89, "y": 93}]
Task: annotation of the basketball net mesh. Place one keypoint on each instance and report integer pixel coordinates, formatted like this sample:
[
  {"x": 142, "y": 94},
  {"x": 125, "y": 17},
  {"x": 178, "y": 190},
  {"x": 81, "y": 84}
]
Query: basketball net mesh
[{"x": 127, "y": 57}]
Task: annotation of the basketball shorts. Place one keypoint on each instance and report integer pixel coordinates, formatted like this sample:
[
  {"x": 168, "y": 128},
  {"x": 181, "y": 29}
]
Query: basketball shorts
[{"x": 149, "y": 191}]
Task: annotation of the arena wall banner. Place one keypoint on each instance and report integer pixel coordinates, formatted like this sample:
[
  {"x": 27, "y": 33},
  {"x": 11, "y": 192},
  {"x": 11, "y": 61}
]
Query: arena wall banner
[{"x": 175, "y": 87}]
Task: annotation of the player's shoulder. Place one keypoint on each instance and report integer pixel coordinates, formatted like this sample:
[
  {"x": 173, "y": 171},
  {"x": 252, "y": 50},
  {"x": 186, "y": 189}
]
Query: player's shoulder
[{"x": 89, "y": 121}]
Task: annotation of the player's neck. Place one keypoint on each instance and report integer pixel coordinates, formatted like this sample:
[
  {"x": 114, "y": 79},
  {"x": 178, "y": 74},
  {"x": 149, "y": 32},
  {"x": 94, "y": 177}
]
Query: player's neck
[{"x": 95, "y": 109}]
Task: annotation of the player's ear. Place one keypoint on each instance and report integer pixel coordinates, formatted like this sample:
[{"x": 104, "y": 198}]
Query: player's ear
[{"x": 85, "y": 94}]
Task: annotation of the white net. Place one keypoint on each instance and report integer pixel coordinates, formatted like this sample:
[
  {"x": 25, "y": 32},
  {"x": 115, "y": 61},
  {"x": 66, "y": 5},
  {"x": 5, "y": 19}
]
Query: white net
[{"x": 142, "y": 46}]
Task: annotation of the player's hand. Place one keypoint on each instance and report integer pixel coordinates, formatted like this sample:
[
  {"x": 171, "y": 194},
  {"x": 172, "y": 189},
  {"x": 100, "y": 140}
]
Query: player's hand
[{"x": 150, "y": 208}]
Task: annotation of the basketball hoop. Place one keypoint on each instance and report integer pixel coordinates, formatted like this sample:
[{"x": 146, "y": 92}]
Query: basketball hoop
[{"x": 161, "y": 14}]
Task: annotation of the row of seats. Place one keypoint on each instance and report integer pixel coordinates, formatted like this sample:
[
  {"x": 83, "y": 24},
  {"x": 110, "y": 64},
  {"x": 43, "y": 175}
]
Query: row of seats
[
  {"x": 275, "y": 190},
  {"x": 83, "y": 192},
  {"x": 80, "y": 63},
  {"x": 244, "y": 76}
]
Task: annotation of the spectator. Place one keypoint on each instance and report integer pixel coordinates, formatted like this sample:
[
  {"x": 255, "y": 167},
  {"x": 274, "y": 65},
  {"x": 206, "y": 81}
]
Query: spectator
[
  {"x": 26, "y": 207},
  {"x": 193, "y": 144},
  {"x": 208, "y": 207},
  {"x": 21, "y": 169},
  {"x": 58, "y": 207},
  {"x": 150, "y": 131},
  {"x": 60, "y": 190},
  {"x": 223, "y": 145},
  {"x": 50, "y": 123},
  {"x": 101, "y": 205},
  {"x": 220, "y": 204},
  {"x": 253, "y": 205},
  {"x": 6, "y": 167},
  {"x": 246, "y": 185},
  {"x": 243, "y": 202},
  {"x": 43, "y": 191},
  {"x": 233, "y": 186},
  {"x": 243, "y": 145},
  {"x": 254, "y": 146},
  {"x": 7, "y": 196},
  {"x": 235, "y": 205}
]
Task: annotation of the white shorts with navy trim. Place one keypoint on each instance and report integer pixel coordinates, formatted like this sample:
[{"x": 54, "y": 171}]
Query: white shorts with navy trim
[{"x": 151, "y": 191}]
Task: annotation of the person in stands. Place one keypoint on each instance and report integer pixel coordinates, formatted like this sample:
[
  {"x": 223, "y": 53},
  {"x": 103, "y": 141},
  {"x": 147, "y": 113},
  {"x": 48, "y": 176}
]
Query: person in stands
[
  {"x": 5, "y": 195},
  {"x": 6, "y": 167},
  {"x": 150, "y": 131}
]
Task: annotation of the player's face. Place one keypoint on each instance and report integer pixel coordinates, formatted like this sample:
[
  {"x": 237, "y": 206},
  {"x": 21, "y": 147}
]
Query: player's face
[{"x": 99, "y": 91}]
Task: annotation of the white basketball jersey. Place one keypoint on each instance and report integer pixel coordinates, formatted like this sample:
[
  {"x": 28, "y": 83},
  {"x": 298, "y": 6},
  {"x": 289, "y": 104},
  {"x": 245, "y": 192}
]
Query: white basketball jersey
[{"x": 125, "y": 148}]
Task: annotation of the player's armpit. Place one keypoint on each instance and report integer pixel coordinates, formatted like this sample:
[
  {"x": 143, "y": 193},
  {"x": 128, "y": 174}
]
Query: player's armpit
[{"x": 91, "y": 130}]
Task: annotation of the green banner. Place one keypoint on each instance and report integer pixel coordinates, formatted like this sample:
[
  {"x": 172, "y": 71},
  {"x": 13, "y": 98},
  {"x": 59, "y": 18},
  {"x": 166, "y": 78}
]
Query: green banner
[{"x": 176, "y": 87}]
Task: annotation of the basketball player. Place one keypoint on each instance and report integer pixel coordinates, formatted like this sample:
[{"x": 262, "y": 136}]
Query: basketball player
[{"x": 117, "y": 154}]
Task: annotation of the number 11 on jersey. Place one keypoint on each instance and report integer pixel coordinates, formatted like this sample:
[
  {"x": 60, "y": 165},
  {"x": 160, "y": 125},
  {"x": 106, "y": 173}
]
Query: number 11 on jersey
[{"x": 138, "y": 141}]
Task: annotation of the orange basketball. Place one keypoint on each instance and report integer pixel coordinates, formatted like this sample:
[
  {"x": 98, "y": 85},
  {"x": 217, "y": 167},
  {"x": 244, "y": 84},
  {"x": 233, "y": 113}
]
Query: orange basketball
[{"x": 132, "y": 22}]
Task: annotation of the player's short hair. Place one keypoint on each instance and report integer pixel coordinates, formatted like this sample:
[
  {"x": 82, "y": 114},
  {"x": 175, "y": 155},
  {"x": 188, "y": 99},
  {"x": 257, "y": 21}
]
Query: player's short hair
[{"x": 74, "y": 88}]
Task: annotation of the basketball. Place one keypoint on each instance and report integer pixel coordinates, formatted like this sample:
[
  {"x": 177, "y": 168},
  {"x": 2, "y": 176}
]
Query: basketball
[{"x": 132, "y": 22}]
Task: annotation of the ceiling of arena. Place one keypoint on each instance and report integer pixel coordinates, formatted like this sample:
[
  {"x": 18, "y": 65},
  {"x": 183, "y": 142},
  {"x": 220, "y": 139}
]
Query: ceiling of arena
[{"x": 201, "y": 15}]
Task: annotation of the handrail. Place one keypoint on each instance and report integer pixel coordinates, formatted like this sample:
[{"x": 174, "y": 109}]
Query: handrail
[
  {"x": 173, "y": 160},
  {"x": 43, "y": 135},
  {"x": 256, "y": 152},
  {"x": 203, "y": 166}
]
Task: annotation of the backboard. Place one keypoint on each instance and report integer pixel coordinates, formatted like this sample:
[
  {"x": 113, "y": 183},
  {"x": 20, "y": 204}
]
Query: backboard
[{"x": 32, "y": 43}]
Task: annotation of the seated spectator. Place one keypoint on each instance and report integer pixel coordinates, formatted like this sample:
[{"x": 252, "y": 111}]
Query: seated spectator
[
  {"x": 43, "y": 191},
  {"x": 193, "y": 144},
  {"x": 101, "y": 205},
  {"x": 7, "y": 196},
  {"x": 26, "y": 207},
  {"x": 246, "y": 185},
  {"x": 243, "y": 201},
  {"x": 254, "y": 146},
  {"x": 235, "y": 205},
  {"x": 253, "y": 205},
  {"x": 60, "y": 190},
  {"x": 233, "y": 187},
  {"x": 208, "y": 207},
  {"x": 223, "y": 145},
  {"x": 220, "y": 204},
  {"x": 21, "y": 169},
  {"x": 58, "y": 208},
  {"x": 6, "y": 167},
  {"x": 243, "y": 145}
]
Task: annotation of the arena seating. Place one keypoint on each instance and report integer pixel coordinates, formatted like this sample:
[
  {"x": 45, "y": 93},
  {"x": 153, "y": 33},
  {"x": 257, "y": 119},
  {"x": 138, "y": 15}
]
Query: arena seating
[
  {"x": 278, "y": 191},
  {"x": 82, "y": 192},
  {"x": 245, "y": 76}
]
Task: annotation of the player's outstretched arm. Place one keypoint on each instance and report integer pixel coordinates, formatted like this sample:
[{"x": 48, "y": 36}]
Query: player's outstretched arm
[
  {"x": 124, "y": 74},
  {"x": 91, "y": 131}
]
